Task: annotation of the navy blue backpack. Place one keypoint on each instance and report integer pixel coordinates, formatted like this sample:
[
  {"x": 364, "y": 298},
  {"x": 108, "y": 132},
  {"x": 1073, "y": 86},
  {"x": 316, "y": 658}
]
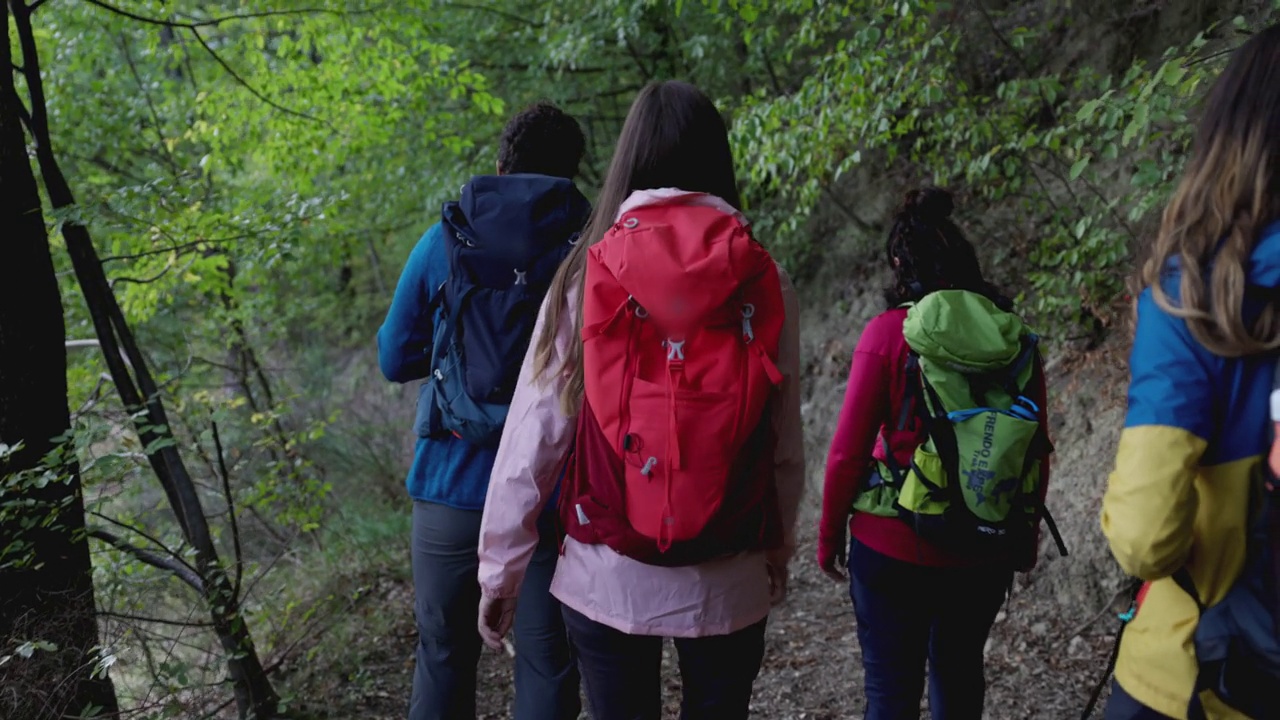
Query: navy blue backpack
[
  {"x": 506, "y": 238},
  {"x": 1237, "y": 641}
]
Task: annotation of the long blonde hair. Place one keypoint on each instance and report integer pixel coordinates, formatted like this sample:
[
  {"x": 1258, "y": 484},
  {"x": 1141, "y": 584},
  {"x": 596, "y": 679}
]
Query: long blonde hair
[
  {"x": 673, "y": 137},
  {"x": 1229, "y": 193}
]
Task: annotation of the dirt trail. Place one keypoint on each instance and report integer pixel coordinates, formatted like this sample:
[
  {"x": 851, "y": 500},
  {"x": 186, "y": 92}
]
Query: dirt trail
[
  {"x": 1037, "y": 666},
  {"x": 1049, "y": 644}
]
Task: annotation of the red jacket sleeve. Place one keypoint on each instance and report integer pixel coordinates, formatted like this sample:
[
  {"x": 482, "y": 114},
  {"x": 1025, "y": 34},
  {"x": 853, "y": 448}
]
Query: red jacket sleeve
[{"x": 866, "y": 405}]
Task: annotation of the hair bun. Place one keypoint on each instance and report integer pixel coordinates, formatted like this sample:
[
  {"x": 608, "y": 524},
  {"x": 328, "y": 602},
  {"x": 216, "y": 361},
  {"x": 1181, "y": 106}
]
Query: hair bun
[{"x": 929, "y": 204}]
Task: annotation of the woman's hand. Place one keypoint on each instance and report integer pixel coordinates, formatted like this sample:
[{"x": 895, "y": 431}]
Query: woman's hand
[
  {"x": 776, "y": 565},
  {"x": 831, "y": 554},
  {"x": 496, "y": 617}
]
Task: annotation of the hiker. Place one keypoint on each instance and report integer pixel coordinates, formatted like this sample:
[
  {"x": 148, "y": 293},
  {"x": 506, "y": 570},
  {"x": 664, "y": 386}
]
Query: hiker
[
  {"x": 461, "y": 319},
  {"x": 664, "y": 381},
  {"x": 1176, "y": 509},
  {"x": 927, "y": 576}
]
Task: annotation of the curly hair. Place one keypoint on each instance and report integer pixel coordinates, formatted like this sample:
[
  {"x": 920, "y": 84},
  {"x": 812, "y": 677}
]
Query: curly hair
[
  {"x": 542, "y": 139},
  {"x": 928, "y": 252}
]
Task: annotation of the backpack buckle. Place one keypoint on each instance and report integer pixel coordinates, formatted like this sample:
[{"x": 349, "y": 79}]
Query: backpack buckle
[{"x": 675, "y": 350}]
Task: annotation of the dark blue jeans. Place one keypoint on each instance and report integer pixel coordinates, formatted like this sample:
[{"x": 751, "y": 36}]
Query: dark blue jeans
[
  {"x": 622, "y": 674},
  {"x": 911, "y": 614},
  {"x": 445, "y": 563},
  {"x": 1122, "y": 706}
]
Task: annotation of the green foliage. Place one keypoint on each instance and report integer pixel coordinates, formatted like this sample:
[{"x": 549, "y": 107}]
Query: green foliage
[
  {"x": 254, "y": 172},
  {"x": 1083, "y": 156}
]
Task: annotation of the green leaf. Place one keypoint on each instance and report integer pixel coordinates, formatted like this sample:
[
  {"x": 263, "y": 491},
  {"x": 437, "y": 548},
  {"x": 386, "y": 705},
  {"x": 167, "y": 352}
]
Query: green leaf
[{"x": 1079, "y": 167}]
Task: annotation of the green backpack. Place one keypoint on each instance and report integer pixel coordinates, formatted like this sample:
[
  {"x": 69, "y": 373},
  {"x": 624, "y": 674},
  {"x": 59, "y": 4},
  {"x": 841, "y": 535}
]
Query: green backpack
[{"x": 974, "y": 484}]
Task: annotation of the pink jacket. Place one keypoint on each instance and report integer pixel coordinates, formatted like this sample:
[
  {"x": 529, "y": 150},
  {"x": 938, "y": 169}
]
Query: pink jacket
[{"x": 715, "y": 598}]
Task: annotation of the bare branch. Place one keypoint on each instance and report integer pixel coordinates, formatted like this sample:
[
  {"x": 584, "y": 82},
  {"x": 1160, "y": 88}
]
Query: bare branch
[
  {"x": 157, "y": 125},
  {"x": 183, "y": 247},
  {"x": 493, "y": 11},
  {"x": 22, "y": 109},
  {"x": 159, "y": 621},
  {"x": 103, "y": 163},
  {"x": 194, "y": 28},
  {"x": 847, "y": 211},
  {"x": 245, "y": 83},
  {"x": 179, "y": 570},
  {"x": 636, "y": 56},
  {"x": 213, "y": 22},
  {"x": 94, "y": 397},
  {"x": 145, "y": 535},
  {"x": 146, "y": 280},
  {"x": 231, "y": 514}
]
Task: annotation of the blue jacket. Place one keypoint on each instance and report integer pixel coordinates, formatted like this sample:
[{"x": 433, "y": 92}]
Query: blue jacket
[
  {"x": 1195, "y": 430},
  {"x": 450, "y": 471}
]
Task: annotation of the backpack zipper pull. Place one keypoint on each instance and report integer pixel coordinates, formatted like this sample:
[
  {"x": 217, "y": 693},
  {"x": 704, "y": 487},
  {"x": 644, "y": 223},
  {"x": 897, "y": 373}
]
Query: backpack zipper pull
[
  {"x": 748, "y": 311},
  {"x": 647, "y": 470}
]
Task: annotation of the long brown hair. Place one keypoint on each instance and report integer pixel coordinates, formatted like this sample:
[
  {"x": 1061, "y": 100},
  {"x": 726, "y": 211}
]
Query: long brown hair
[
  {"x": 1229, "y": 193},
  {"x": 673, "y": 137}
]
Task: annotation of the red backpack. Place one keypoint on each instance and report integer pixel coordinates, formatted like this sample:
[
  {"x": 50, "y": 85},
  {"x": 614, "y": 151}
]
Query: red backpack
[{"x": 673, "y": 458}]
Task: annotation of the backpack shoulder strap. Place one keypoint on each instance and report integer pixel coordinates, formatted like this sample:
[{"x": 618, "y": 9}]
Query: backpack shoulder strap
[
  {"x": 1030, "y": 348},
  {"x": 910, "y": 397}
]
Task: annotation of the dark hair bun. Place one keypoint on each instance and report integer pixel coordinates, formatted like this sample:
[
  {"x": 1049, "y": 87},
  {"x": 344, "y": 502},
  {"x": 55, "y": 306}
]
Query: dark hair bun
[{"x": 930, "y": 204}]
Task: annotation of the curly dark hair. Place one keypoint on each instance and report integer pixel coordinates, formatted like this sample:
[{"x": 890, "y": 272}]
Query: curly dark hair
[
  {"x": 927, "y": 252},
  {"x": 542, "y": 139}
]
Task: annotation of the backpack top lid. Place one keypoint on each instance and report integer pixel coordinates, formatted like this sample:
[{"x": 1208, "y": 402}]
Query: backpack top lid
[
  {"x": 514, "y": 219},
  {"x": 682, "y": 262},
  {"x": 964, "y": 330}
]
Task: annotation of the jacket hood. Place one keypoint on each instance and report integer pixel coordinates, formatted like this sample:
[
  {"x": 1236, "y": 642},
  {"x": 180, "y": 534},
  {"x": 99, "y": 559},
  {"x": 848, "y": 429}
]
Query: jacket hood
[{"x": 518, "y": 211}]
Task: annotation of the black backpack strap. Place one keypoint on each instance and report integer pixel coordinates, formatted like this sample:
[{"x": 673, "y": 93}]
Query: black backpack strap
[
  {"x": 912, "y": 391},
  {"x": 909, "y": 397},
  {"x": 898, "y": 472},
  {"x": 1135, "y": 586},
  {"x": 1184, "y": 581},
  {"x": 943, "y": 435},
  {"x": 1030, "y": 348},
  {"x": 1053, "y": 529}
]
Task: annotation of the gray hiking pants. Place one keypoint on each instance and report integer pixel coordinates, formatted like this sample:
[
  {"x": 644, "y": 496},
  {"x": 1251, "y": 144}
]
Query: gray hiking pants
[{"x": 445, "y": 563}]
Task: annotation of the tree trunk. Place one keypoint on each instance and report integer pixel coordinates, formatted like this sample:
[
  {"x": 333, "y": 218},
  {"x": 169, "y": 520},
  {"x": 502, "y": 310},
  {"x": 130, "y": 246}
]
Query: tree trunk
[
  {"x": 46, "y": 579},
  {"x": 255, "y": 697}
]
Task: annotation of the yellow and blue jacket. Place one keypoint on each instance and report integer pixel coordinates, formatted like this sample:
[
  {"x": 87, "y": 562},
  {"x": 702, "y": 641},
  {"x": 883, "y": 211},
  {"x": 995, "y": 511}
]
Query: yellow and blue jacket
[{"x": 1195, "y": 430}]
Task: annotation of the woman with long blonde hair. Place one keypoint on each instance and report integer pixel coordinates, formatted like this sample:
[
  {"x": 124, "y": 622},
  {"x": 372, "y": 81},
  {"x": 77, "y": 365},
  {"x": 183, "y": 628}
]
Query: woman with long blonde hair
[{"x": 1177, "y": 505}]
